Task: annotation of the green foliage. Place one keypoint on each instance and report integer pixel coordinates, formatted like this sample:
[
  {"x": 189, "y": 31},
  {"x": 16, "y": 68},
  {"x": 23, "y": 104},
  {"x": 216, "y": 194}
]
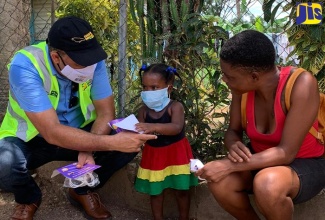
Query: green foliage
[
  {"x": 104, "y": 18},
  {"x": 214, "y": 7},
  {"x": 173, "y": 32},
  {"x": 267, "y": 9},
  {"x": 258, "y": 23},
  {"x": 103, "y": 15},
  {"x": 150, "y": 27},
  {"x": 185, "y": 39},
  {"x": 205, "y": 125},
  {"x": 308, "y": 40},
  {"x": 197, "y": 60}
]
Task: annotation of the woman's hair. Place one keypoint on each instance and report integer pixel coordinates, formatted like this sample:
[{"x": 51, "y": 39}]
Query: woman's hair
[
  {"x": 251, "y": 49},
  {"x": 168, "y": 73}
]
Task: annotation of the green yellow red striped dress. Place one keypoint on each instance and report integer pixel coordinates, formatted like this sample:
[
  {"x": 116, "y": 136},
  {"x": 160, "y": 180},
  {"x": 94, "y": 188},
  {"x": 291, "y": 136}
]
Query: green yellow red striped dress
[{"x": 165, "y": 162}]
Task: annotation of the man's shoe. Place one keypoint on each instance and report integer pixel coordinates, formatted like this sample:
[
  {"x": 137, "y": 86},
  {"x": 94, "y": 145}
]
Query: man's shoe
[
  {"x": 91, "y": 205},
  {"x": 25, "y": 211}
]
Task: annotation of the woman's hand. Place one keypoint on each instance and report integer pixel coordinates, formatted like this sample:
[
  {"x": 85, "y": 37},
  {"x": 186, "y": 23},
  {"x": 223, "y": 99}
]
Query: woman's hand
[
  {"x": 238, "y": 152},
  {"x": 214, "y": 171}
]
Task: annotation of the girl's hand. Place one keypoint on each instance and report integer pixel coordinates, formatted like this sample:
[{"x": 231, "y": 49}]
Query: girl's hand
[
  {"x": 238, "y": 152},
  {"x": 145, "y": 128},
  {"x": 85, "y": 158}
]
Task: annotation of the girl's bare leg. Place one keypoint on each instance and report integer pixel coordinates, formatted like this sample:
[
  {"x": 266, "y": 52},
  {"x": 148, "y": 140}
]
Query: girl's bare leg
[
  {"x": 157, "y": 206},
  {"x": 183, "y": 201}
]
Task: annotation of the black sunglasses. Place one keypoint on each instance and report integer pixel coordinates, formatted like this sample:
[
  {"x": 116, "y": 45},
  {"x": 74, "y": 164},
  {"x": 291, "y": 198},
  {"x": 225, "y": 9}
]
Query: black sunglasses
[{"x": 74, "y": 100}]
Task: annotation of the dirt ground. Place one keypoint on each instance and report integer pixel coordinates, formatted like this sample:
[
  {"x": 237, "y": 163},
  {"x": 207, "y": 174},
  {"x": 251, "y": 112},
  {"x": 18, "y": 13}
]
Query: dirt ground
[{"x": 55, "y": 206}]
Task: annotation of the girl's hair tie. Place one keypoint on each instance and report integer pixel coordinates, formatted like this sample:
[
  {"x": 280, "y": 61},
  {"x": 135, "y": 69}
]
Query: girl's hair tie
[
  {"x": 171, "y": 70},
  {"x": 143, "y": 67}
]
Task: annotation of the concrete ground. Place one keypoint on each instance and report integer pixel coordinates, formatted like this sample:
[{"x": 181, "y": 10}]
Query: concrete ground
[
  {"x": 119, "y": 196},
  {"x": 115, "y": 195},
  {"x": 55, "y": 206}
]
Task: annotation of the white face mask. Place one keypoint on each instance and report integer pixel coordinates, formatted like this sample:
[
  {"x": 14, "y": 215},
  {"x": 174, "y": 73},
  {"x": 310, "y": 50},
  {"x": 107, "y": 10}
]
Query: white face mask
[
  {"x": 89, "y": 179},
  {"x": 79, "y": 75}
]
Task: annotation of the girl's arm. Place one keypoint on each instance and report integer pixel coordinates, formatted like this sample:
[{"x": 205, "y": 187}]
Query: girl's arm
[
  {"x": 141, "y": 114},
  {"x": 176, "y": 111}
]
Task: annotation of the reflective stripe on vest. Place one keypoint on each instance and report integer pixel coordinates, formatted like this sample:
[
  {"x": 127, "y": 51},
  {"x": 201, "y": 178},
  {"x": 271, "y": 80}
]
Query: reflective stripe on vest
[{"x": 15, "y": 122}]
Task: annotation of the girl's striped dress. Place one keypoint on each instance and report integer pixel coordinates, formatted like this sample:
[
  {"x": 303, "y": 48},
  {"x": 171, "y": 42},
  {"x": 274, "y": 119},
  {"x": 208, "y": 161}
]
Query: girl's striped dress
[{"x": 165, "y": 162}]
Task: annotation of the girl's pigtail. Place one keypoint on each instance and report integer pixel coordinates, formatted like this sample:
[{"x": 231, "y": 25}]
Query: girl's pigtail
[
  {"x": 142, "y": 69},
  {"x": 171, "y": 70}
]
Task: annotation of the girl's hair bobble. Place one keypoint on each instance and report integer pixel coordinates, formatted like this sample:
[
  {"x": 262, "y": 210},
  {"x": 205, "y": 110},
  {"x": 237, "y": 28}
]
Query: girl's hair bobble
[
  {"x": 143, "y": 67},
  {"x": 171, "y": 70}
]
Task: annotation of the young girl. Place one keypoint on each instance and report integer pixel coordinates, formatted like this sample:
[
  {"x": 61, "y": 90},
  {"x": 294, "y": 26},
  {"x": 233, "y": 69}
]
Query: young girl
[{"x": 165, "y": 161}]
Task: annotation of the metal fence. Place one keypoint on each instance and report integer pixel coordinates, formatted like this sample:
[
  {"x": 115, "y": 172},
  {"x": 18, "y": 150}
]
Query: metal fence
[{"x": 28, "y": 21}]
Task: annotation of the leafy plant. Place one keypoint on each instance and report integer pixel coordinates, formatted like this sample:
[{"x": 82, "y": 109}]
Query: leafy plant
[
  {"x": 308, "y": 40},
  {"x": 103, "y": 15},
  {"x": 178, "y": 35},
  {"x": 173, "y": 32}
]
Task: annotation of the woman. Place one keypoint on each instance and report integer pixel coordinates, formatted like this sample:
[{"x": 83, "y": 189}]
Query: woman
[{"x": 282, "y": 165}]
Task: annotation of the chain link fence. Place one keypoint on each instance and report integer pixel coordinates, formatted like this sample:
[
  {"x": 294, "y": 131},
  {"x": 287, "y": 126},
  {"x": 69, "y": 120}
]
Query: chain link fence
[{"x": 126, "y": 30}]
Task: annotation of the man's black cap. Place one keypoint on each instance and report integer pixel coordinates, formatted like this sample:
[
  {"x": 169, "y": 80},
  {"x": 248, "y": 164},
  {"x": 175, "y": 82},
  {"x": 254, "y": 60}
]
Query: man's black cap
[{"x": 75, "y": 37}]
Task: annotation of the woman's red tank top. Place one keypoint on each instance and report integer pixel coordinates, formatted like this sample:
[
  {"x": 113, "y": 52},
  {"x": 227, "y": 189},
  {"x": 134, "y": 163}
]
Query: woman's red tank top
[{"x": 310, "y": 146}]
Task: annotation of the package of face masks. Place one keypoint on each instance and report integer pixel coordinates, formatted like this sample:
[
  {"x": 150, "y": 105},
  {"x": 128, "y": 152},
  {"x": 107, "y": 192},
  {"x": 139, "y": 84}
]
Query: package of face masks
[
  {"x": 88, "y": 179},
  {"x": 112, "y": 124},
  {"x": 195, "y": 165},
  {"x": 127, "y": 124},
  {"x": 78, "y": 177}
]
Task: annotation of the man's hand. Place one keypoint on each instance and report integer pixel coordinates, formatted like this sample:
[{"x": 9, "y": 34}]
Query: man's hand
[
  {"x": 85, "y": 158},
  {"x": 130, "y": 141}
]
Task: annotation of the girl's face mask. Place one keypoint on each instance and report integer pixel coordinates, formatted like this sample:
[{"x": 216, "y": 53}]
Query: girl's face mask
[
  {"x": 79, "y": 75},
  {"x": 156, "y": 100}
]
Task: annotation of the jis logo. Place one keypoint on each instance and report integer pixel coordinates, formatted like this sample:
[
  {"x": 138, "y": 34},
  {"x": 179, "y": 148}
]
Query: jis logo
[{"x": 309, "y": 13}]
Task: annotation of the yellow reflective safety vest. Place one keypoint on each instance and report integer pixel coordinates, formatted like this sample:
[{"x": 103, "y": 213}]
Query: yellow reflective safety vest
[{"x": 16, "y": 123}]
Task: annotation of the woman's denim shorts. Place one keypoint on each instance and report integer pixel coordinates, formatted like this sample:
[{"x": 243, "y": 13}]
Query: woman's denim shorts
[{"x": 311, "y": 172}]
